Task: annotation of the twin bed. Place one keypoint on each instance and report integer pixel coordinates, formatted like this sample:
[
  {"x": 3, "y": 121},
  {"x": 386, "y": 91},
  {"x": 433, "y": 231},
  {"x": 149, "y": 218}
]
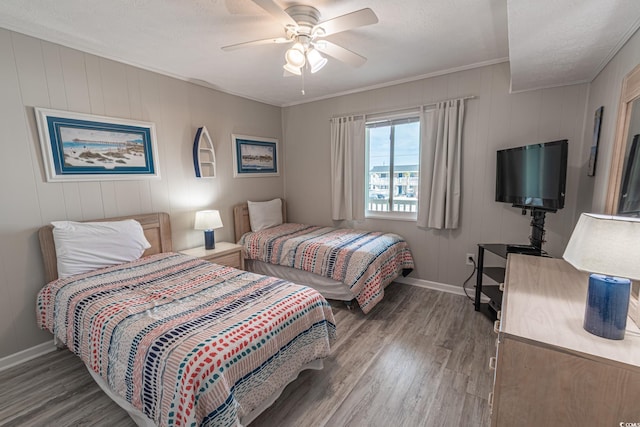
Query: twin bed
[
  {"x": 176, "y": 340},
  {"x": 342, "y": 264}
]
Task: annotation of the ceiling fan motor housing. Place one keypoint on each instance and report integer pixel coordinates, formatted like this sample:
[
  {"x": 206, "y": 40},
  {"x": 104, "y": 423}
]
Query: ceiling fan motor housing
[
  {"x": 304, "y": 14},
  {"x": 307, "y": 17}
]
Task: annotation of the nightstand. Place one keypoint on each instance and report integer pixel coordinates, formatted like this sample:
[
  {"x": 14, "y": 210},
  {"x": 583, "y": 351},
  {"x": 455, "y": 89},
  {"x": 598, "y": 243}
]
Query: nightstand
[{"x": 225, "y": 253}]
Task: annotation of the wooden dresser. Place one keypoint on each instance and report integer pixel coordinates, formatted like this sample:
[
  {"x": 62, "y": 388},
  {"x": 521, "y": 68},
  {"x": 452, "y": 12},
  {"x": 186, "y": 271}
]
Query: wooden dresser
[{"x": 550, "y": 371}]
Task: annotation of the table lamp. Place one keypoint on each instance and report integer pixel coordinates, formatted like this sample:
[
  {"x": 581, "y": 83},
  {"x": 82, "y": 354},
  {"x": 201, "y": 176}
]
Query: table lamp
[
  {"x": 207, "y": 221},
  {"x": 608, "y": 247}
]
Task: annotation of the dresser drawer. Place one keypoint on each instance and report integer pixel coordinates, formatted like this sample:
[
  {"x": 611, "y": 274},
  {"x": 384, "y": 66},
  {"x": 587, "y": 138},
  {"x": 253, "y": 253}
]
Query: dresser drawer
[
  {"x": 230, "y": 260},
  {"x": 224, "y": 253}
]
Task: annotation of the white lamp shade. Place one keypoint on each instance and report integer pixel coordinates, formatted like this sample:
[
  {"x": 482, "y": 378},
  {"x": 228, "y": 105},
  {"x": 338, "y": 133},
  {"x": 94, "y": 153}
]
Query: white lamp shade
[
  {"x": 295, "y": 55},
  {"x": 208, "y": 220},
  {"x": 316, "y": 61},
  {"x": 605, "y": 244},
  {"x": 291, "y": 69}
]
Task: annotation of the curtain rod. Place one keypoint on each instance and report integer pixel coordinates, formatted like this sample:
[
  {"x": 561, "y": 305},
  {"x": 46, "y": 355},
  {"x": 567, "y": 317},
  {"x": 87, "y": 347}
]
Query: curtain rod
[
  {"x": 402, "y": 109},
  {"x": 450, "y": 99}
]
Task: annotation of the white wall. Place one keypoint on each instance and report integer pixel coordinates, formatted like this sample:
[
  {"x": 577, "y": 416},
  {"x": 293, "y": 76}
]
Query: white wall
[
  {"x": 37, "y": 73},
  {"x": 496, "y": 119},
  {"x": 605, "y": 91}
]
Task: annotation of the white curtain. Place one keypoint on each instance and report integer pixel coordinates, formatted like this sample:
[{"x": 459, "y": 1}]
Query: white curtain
[
  {"x": 439, "y": 201},
  {"x": 347, "y": 168}
]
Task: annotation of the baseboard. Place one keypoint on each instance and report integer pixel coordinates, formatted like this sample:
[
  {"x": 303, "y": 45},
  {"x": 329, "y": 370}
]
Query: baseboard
[
  {"x": 442, "y": 287},
  {"x": 25, "y": 355}
]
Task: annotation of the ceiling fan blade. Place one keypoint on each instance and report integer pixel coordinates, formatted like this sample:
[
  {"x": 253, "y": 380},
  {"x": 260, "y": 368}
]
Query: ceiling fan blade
[
  {"x": 340, "y": 53},
  {"x": 276, "y": 40},
  {"x": 346, "y": 22},
  {"x": 276, "y": 11}
]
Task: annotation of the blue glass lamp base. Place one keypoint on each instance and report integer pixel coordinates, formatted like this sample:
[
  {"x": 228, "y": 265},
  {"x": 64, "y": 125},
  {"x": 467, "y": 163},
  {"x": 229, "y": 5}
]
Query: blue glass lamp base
[
  {"x": 607, "y": 306},
  {"x": 209, "y": 240}
]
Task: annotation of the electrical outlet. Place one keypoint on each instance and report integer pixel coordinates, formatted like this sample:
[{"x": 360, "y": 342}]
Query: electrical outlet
[{"x": 470, "y": 259}]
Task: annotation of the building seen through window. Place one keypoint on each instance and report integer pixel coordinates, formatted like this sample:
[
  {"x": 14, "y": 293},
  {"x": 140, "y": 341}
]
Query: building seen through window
[{"x": 392, "y": 165}]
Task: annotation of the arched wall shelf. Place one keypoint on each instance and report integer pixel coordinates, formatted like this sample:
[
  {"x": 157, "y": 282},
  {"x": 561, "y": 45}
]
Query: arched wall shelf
[{"x": 204, "y": 155}]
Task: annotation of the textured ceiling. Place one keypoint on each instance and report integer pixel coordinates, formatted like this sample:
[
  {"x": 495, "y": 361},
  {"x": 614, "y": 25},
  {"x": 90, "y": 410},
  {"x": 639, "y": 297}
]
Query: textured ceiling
[
  {"x": 552, "y": 43},
  {"x": 549, "y": 42}
]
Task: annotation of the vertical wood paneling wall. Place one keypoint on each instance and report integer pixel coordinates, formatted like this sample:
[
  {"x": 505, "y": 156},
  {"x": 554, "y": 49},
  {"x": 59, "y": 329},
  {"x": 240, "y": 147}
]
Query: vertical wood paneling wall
[
  {"x": 496, "y": 119},
  {"x": 35, "y": 73}
]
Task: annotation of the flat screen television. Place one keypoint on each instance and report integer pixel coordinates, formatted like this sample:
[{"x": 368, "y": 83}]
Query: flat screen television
[{"x": 533, "y": 176}]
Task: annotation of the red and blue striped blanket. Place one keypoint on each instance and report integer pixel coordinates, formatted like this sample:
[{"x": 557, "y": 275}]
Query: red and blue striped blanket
[
  {"x": 185, "y": 341},
  {"x": 365, "y": 261}
]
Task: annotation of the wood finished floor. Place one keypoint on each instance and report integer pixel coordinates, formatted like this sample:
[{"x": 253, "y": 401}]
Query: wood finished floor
[{"x": 418, "y": 359}]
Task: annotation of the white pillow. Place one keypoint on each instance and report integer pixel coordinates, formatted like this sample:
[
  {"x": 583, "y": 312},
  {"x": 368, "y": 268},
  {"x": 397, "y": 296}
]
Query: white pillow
[
  {"x": 86, "y": 246},
  {"x": 265, "y": 214}
]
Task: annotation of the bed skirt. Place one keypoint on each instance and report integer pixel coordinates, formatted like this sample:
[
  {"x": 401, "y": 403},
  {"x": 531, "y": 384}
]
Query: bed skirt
[
  {"x": 142, "y": 420},
  {"x": 328, "y": 288}
]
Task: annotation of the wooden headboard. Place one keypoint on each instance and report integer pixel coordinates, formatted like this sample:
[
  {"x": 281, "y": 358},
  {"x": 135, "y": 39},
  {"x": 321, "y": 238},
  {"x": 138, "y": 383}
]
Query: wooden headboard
[
  {"x": 241, "y": 221},
  {"x": 156, "y": 227}
]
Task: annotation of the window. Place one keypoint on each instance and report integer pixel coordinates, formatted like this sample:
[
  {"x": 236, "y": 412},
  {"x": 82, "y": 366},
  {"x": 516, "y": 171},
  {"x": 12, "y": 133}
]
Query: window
[{"x": 392, "y": 167}]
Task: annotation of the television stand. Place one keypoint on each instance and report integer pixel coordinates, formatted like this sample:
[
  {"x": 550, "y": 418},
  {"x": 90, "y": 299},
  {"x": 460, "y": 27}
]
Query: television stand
[
  {"x": 537, "y": 228},
  {"x": 523, "y": 249},
  {"x": 494, "y": 292}
]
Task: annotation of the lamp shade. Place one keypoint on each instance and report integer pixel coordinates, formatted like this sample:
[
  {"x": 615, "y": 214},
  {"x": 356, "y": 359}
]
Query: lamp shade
[
  {"x": 316, "y": 61},
  {"x": 604, "y": 244},
  {"x": 208, "y": 220},
  {"x": 292, "y": 69},
  {"x": 295, "y": 55}
]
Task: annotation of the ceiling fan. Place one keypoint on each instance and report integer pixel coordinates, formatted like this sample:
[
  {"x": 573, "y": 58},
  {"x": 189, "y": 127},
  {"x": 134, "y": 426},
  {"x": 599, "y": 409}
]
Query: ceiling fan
[{"x": 303, "y": 29}]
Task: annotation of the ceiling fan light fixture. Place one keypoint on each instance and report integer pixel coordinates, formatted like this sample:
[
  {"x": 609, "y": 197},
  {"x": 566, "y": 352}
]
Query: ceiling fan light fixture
[
  {"x": 292, "y": 69},
  {"x": 295, "y": 55},
  {"x": 304, "y": 30},
  {"x": 316, "y": 61}
]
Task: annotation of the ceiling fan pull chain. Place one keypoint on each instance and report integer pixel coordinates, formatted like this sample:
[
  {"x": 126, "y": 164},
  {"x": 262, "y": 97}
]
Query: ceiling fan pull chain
[{"x": 302, "y": 73}]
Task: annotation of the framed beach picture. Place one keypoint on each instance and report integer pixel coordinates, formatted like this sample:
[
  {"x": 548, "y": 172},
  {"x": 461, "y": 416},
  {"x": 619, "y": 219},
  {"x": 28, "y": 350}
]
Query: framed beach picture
[
  {"x": 85, "y": 147},
  {"x": 254, "y": 156}
]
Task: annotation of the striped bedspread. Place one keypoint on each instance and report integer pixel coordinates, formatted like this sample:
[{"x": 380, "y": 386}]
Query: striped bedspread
[
  {"x": 365, "y": 261},
  {"x": 185, "y": 341}
]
